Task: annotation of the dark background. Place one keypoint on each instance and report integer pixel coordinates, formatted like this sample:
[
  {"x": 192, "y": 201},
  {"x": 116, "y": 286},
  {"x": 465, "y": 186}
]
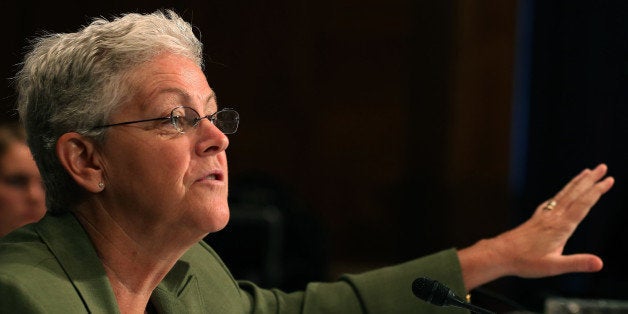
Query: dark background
[{"x": 382, "y": 131}]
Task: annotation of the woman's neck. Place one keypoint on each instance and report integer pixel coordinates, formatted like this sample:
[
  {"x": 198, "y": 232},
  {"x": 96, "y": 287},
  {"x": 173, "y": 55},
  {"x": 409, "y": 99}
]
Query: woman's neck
[{"x": 134, "y": 265}]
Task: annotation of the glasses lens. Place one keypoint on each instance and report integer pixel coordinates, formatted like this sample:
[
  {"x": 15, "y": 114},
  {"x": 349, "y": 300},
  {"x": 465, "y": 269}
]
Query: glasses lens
[
  {"x": 184, "y": 118},
  {"x": 226, "y": 120}
]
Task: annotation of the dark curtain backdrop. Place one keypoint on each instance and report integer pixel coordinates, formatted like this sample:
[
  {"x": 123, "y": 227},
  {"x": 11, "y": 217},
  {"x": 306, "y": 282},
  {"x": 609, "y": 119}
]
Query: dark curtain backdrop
[
  {"x": 381, "y": 131},
  {"x": 578, "y": 95}
]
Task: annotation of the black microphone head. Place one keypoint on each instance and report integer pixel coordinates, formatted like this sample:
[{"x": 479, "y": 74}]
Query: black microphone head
[{"x": 430, "y": 291}]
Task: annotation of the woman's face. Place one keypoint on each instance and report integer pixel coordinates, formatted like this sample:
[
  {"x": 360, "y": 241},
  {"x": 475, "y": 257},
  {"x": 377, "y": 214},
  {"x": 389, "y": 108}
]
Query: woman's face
[
  {"x": 156, "y": 177},
  {"x": 22, "y": 198}
]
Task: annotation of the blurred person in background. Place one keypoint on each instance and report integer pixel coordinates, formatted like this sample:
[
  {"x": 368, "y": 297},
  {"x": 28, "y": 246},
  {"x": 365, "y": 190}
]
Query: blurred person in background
[{"x": 22, "y": 198}]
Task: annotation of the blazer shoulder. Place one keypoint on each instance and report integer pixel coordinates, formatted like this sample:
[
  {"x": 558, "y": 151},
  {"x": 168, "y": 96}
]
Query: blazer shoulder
[
  {"x": 30, "y": 276},
  {"x": 23, "y": 247}
]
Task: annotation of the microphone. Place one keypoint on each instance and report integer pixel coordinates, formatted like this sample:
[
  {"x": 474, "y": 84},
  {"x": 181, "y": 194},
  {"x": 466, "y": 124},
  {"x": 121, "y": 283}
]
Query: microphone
[{"x": 434, "y": 292}]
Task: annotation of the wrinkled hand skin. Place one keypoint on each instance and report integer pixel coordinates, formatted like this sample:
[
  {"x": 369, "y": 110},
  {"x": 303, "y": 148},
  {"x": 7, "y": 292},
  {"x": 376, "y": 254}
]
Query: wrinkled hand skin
[{"x": 534, "y": 249}]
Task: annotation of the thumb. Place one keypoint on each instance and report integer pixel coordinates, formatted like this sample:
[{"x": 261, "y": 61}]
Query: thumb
[{"x": 579, "y": 263}]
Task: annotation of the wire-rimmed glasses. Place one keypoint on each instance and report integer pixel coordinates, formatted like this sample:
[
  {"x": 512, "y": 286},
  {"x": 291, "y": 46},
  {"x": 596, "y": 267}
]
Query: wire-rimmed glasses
[{"x": 184, "y": 118}]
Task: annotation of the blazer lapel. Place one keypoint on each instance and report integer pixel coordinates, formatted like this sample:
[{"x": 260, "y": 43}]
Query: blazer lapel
[
  {"x": 199, "y": 283},
  {"x": 193, "y": 286},
  {"x": 178, "y": 291},
  {"x": 71, "y": 246}
]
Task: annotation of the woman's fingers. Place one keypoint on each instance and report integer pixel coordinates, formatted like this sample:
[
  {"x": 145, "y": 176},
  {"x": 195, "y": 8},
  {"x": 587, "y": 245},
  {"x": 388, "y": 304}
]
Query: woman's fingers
[
  {"x": 555, "y": 221},
  {"x": 580, "y": 194},
  {"x": 580, "y": 185},
  {"x": 580, "y": 206}
]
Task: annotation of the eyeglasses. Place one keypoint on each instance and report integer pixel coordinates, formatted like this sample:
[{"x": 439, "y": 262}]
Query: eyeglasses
[{"x": 184, "y": 118}]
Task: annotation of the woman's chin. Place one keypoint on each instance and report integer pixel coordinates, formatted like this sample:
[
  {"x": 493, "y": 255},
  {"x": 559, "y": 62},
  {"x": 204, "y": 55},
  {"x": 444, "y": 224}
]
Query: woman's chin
[{"x": 216, "y": 219}]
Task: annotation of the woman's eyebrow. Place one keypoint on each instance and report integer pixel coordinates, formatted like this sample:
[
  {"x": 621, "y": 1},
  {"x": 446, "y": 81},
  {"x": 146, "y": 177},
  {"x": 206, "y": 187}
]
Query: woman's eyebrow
[
  {"x": 210, "y": 97},
  {"x": 149, "y": 101},
  {"x": 185, "y": 96}
]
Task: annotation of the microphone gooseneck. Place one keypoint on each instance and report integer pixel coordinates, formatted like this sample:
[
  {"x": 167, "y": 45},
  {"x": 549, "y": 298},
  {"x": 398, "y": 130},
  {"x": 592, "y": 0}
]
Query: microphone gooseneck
[{"x": 434, "y": 292}]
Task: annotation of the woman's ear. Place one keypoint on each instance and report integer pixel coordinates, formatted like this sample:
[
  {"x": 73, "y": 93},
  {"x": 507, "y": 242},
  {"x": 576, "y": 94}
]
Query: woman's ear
[{"x": 80, "y": 158}]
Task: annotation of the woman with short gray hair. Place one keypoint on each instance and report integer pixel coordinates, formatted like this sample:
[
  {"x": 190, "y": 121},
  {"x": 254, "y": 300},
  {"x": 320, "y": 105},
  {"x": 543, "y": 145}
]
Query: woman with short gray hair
[{"x": 131, "y": 144}]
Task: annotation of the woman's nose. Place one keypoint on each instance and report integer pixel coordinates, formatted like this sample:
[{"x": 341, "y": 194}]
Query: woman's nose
[{"x": 211, "y": 139}]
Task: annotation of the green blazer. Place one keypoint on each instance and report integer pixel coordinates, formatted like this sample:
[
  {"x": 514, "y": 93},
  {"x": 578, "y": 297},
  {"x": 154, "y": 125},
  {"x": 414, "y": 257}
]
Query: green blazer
[{"x": 52, "y": 267}]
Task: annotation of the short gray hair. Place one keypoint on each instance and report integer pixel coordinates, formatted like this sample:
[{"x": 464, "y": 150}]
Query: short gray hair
[{"x": 72, "y": 82}]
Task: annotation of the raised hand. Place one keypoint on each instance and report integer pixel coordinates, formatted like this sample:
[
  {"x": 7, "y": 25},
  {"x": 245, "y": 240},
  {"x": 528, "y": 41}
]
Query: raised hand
[{"x": 535, "y": 248}]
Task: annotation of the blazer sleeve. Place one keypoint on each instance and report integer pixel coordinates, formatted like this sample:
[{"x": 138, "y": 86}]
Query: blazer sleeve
[{"x": 384, "y": 290}]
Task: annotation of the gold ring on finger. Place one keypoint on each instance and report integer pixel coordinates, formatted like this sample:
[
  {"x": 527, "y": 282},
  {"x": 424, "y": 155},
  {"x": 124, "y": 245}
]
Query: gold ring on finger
[{"x": 550, "y": 205}]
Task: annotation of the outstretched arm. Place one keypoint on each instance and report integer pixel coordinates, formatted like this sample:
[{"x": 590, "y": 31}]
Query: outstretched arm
[{"x": 535, "y": 248}]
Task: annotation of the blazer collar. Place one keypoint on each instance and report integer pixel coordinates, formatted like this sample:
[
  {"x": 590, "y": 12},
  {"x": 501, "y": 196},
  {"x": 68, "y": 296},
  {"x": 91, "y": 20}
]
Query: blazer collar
[
  {"x": 71, "y": 246},
  {"x": 178, "y": 288}
]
